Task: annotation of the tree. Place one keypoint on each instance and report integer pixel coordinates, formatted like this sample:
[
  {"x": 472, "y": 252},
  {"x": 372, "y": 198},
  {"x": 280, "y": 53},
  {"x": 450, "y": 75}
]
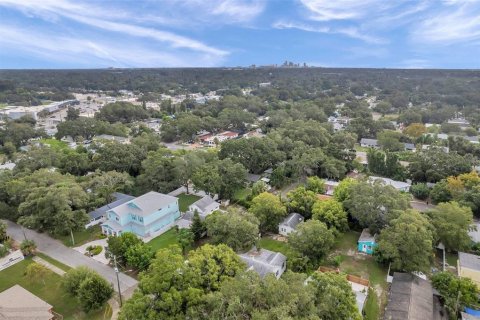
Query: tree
[
  {"x": 390, "y": 140},
  {"x": 373, "y": 204},
  {"x": 301, "y": 201},
  {"x": 415, "y": 130},
  {"x": 315, "y": 184},
  {"x": 3, "y": 231},
  {"x": 269, "y": 210},
  {"x": 185, "y": 239},
  {"x": 376, "y": 161},
  {"x": 420, "y": 191},
  {"x": 334, "y": 298},
  {"x": 89, "y": 287},
  {"x": 124, "y": 112},
  {"x": 452, "y": 223},
  {"x": 311, "y": 239},
  {"x": 331, "y": 213},
  {"x": 456, "y": 292},
  {"x": 159, "y": 172},
  {"x": 407, "y": 242},
  {"x": 239, "y": 231},
  {"x": 119, "y": 157},
  {"x": 207, "y": 178},
  {"x": 440, "y": 192},
  {"x": 233, "y": 176},
  {"x": 72, "y": 114},
  {"x": 258, "y": 187},
  {"x": 28, "y": 247},
  {"x": 139, "y": 256},
  {"x": 118, "y": 246},
  {"x": 342, "y": 191},
  {"x": 104, "y": 184},
  {"x": 197, "y": 227}
]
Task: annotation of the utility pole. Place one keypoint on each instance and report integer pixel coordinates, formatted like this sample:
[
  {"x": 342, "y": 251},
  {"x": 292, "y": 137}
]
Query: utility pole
[
  {"x": 73, "y": 239},
  {"x": 24, "y": 235},
  {"x": 118, "y": 280}
]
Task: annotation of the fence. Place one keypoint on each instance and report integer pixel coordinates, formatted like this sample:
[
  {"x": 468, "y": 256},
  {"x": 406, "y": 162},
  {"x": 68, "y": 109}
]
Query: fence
[{"x": 351, "y": 278}]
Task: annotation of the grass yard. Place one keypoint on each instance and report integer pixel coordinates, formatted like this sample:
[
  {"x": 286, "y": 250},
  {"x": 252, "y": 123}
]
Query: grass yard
[
  {"x": 371, "y": 307},
  {"x": 81, "y": 236},
  {"x": 56, "y": 144},
  {"x": 241, "y": 194},
  {"x": 164, "y": 240},
  {"x": 51, "y": 292},
  {"x": 274, "y": 245},
  {"x": 185, "y": 200},
  {"x": 451, "y": 258},
  {"x": 56, "y": 263}
]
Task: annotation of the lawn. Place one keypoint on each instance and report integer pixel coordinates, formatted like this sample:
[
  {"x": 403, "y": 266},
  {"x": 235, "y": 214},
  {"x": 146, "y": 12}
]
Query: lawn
[
  {"x": 56, "y": 263},
  {"x": 185, "y": 200},
  {"x": 274, "y": 245},
  {"x": 81, "y": 236},
  {"x": 51, "y": 292},
  {"x": 55, "y": 144},
  {"x": 360, "y": 148},
  {"x": 164, "y": 240},
  {"x": 371, "y": 307},
  {"x": 241, "y": 194}
]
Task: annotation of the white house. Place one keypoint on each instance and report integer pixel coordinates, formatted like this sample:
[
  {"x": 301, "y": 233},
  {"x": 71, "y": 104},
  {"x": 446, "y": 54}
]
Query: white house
[
  {"x": 369, "y": 143},
  {"x": 399, "y": 185},
  {"x": 204, "y": 206},
  {"x": 265, "y": 261},
  {"x": 289, "y": 224}
]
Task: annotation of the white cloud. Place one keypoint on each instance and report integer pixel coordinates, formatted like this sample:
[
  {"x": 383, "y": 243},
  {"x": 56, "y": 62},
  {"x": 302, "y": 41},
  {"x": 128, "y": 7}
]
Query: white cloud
[
  {"x": 459, "y": 21},
  {"x": 351, "y": 32},
  {"x": 326, "y": 10}
]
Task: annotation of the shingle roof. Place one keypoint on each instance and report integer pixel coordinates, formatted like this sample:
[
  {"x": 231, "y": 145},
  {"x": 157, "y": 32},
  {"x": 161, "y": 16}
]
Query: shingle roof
[
  {"x": 370, "y": 142},
  {"x": 410, "y": 298},
  {"x": 145, "y": 204},
  {"x": 120, "y": 198},
  {"x": 365, "y": 236},
  {"x": 394, "y": 183},
  {"x": 292, "y": 220},
  {"x": 263, "y": 261},
  {"x": 468, "y": 260},
  {"x": 19, "y": 303},
  {"x": 204, "y": 202}
]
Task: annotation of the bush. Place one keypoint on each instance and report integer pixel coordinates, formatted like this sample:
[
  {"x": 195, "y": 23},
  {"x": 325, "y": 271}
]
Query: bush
[
  {"x": 94, "y": 250},
  {"x": 420, "y": 191}
]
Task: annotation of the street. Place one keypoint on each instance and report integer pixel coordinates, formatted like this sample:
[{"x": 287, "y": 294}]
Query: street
[{"x": 68, "y": 256}]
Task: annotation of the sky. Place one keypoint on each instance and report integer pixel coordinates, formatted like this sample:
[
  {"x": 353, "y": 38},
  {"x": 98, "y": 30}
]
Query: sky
[{"x": 216, "y": 33}]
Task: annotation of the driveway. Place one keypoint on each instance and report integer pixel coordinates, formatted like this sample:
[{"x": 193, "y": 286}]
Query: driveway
[
  {"x": 70, "y": 257},
  {"x": 99, "y": 257}
]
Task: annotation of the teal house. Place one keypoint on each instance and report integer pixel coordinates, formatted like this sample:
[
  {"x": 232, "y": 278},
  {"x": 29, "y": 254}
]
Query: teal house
[
  {"x": 366, "y": 242},
  {"x": 146, "y": 216}
]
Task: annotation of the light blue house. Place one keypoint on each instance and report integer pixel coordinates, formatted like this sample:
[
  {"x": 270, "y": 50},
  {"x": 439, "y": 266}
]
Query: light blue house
[
  {"x": 366, "y": 242},
  {"x": 148, "y": 215}
]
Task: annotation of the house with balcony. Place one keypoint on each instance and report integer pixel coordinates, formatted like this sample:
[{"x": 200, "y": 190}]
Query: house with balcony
[{"x": 146, "y": 216}]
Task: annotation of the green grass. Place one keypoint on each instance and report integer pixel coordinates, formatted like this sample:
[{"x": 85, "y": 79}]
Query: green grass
[
  {"x": 51, "y": 292},
  {"x": 185, "y": 200},
  {"x": 451, "y": 258},
  {"x": 371, "y": 307},
  {"x": 346, "y": 241},
  {"x": 274, "y": 245},
  {"x": 55, "y": 144},
  {"x": 81, "y": 236},
  {"x": 56, "y": 263},
  {"x": 360, "y": 148},
  {"x": 241, "y": 194},
  {"x": 164, "y": 240}
]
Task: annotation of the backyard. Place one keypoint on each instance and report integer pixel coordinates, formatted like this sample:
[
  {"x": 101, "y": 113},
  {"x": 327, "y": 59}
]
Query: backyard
[
  {"x": 185, "y": 200},
  {"x": 51, "y": 292},
  {"x": 164, "y": 240}
]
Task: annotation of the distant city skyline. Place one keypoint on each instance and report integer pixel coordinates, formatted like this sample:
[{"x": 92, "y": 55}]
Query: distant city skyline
[{"x": 196, "y": 33}]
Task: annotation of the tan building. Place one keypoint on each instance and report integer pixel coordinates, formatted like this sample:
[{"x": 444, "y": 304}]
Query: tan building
[
  {"x": 20, "y": 304},
  {"x": 468, "y": 266}
]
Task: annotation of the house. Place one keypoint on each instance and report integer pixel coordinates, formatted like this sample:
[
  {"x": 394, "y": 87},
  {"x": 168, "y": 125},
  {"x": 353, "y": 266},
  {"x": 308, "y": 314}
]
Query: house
[
  {"x": 409, "y": 146},
  {"x": 109, "y": 137},
  {"x": 148, "y": 215},
  {"x": 369, "y": 143},
  {"x": 468, "y": 266},
  {"x": 252, "y": 178},
  {"x": 98, "y": 215},
  {"x": 204, "y": 206},
  {"x": 410, "y": 298},
  {"x": 473, "y": 139},
  {"x": 366, "y": 243},
  {"x": 8, "y": 166},
  {"x": 330, "y": 186},
  {"x": 19, "y": 303},
  {"x": 289, "y": 224},
  {"x": 399, "y": 185},
  {"x": 264, "y": 262}
]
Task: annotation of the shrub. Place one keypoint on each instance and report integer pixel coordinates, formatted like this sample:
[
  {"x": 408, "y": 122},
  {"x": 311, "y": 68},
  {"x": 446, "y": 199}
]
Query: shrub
[
  {"x": 94, "y": 250},
  {"x": 420, "y": 191}
]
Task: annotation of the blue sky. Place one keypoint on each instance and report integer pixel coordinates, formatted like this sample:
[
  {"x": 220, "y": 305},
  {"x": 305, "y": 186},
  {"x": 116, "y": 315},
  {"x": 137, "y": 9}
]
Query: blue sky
[{"x": 210, "y": 33}]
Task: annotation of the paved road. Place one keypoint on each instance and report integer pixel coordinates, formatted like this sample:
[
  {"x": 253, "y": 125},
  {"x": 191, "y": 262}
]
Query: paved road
[{"x": 70, "y": 257}]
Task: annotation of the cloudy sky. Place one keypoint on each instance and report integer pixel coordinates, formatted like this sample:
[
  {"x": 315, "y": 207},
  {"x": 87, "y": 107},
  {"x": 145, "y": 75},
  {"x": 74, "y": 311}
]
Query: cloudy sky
[{"x": 174, "y": 33}]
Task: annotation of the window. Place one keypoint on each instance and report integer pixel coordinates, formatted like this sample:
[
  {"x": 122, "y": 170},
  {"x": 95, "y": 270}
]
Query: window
[
  {"x": 364, "y": 246},
  {"x": 116, "y": 218},
  {"x": 140, "y": 219}
]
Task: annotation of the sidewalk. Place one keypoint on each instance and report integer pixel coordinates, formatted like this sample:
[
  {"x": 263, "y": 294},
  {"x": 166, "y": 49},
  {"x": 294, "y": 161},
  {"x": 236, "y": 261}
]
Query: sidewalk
[{"x": 50, "y": 266}]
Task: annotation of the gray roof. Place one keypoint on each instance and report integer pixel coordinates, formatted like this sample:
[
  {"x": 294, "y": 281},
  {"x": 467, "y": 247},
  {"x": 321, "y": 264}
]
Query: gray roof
[
  {"x": 263, "y": 261},
  {"x": 120, "y": 198},
  {"x": 468, "y": 260},
  {"x": 19, "y": 303},
  {"x": 394, "y": 183},
  {"x": 253, "y": 177},
  {"x": 145, "y": 204},
  {"x": 268, "y": 171},
  {"x": 370, "y": 142},
  {"x": 410, "y": 298},
  {"x": 204, "y": 202},
  {"x": 366, "y": 236},
  {"x": 292, "y": 220},
  {"x": 409, "y": 146}
]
